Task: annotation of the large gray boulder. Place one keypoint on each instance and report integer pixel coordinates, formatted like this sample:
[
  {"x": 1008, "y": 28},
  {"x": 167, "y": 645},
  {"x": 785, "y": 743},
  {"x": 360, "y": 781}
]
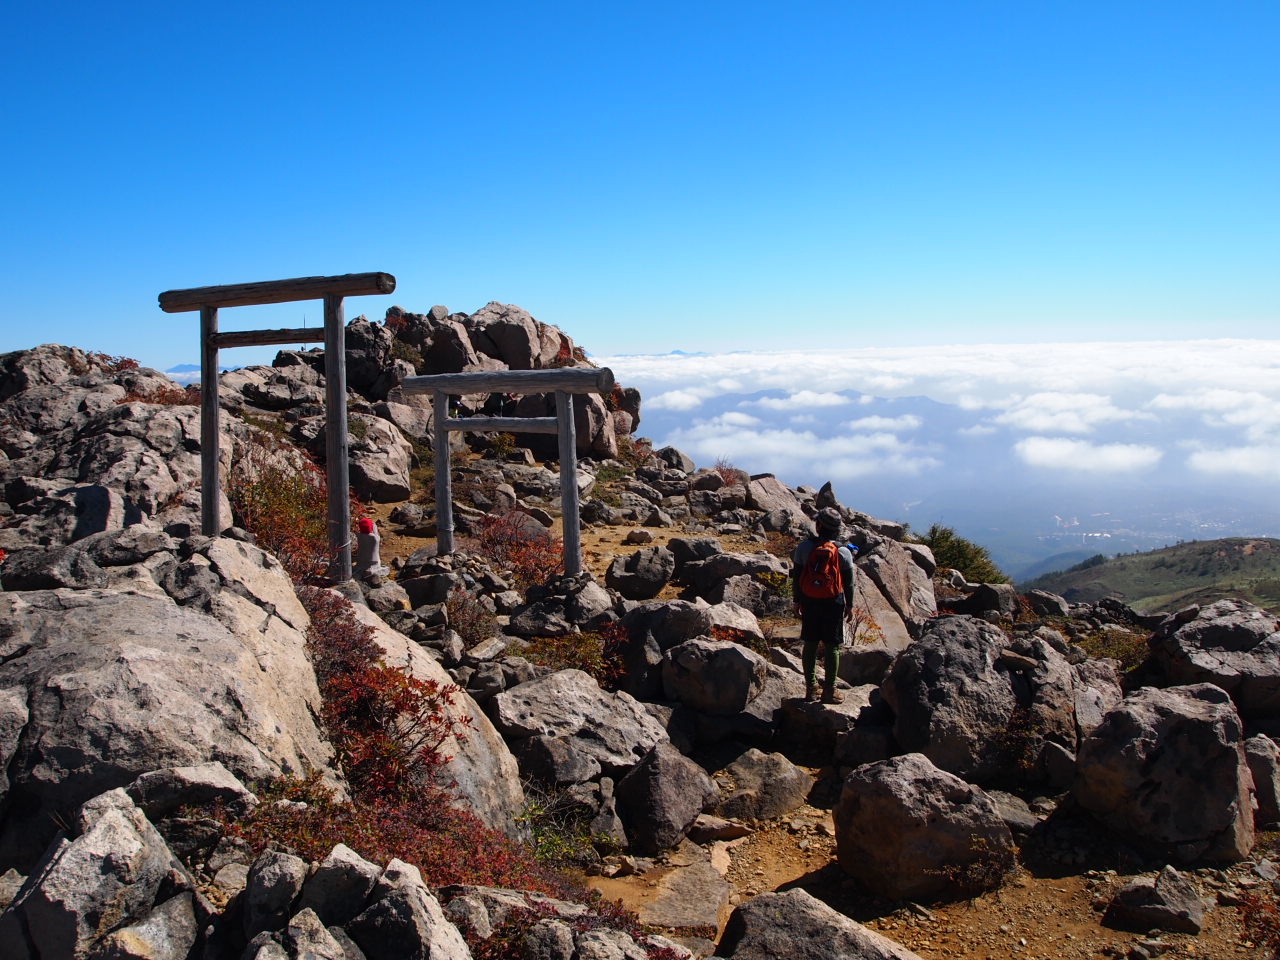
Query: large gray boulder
[
  {"x": 1231, "y": 644},
  {"x": 273, "y": 886},
  {"x": 642, "y": 574},
  {"x": 407, "y": 923},
  {"x": 798, "y": 926},
  {"x": 448, "y": 349},
  {"x": 952, "y": 696},
  {"x": 1167, "y": 769},
  {"x": 166, "y": 933},
  {"x": 877, "y": 614},
  {"x": 1264, "y": 764},
  {"x": 380, "y": 456},
  {"x": 1170, "y": 901},
  {"x": 1097, "y": 690},
  {"x": 614, "y": 729},
  {"x": 108, "y": 876},
  {"x": 713, "y": 676},
  {"x": 902, "y": 581},
  {"x": 380, "y": 459},
  {"x": 907, "y": 830},
  {"x": 661, "y": 797},
  {"x": 652, "y": 629},
  {"x": 121, "y": 682},
  {"x": 507, "y": 333},
  {"x": 368, "y": 354},
  {"x": 708, "y": 574},
  {"x": 766, "y": 492},
  {"x": 761, "y": 786}
]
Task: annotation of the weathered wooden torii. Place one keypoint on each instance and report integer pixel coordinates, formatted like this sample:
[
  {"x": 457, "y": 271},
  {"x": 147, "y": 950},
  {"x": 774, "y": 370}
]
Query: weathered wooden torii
[
  {"x": 331, "y": 289},
  {"x": 563, "y": 382}
]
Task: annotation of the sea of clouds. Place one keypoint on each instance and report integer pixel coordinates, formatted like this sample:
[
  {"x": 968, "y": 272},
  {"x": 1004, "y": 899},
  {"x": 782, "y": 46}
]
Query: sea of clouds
[{"x": 1183, "y": 429}]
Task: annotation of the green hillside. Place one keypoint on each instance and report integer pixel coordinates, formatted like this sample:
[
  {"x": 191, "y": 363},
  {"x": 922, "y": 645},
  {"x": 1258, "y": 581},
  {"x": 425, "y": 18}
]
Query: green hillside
[{"x": 1164, "y": 580}]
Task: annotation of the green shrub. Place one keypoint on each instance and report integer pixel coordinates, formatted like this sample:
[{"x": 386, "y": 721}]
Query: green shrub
[
  {"x": 560, "y": 829},
  {"x": 954, "y": 551},
  {"x": 612, "y": 473},
  {"x": 1123, "y": 645}
]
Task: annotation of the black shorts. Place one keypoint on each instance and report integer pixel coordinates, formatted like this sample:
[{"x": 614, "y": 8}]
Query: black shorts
[{"x": 822, "y": 621}]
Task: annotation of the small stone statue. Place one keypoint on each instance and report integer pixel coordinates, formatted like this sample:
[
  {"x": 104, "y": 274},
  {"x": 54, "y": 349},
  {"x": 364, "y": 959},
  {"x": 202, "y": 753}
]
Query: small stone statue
[{"x": 368, "y": 550}]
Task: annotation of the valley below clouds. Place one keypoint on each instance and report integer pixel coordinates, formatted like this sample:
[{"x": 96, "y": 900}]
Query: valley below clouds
[{"x": 1032, "y": 449}]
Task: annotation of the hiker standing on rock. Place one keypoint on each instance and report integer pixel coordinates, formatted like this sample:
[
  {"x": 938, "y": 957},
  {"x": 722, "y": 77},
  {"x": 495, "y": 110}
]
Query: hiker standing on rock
[{"x": 822, "y": 581}]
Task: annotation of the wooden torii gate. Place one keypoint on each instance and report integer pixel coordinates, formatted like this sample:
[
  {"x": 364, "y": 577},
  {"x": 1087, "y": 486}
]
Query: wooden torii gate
[
  {"x": 331, "y": 289},
  {"x": 563, "y": 382}
]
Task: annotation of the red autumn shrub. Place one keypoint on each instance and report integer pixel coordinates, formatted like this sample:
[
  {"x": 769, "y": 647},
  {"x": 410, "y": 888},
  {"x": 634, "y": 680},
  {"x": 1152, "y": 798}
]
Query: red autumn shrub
[
  {"x": 112, "y": 364},
  {"x": 188, "y": 396},
  {"x": 447, "y": 844},
  {"x": 532, "y": 554},
  {"x": 387, "y": 726},
  {"x": 281, "y": 495},
  {"x": 1260, "y": 917},
  {"x": 739, "y": 636}
]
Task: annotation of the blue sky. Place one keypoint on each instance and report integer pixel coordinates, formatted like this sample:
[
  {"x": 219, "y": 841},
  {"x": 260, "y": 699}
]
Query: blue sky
[{"x": 702, "y": 176}]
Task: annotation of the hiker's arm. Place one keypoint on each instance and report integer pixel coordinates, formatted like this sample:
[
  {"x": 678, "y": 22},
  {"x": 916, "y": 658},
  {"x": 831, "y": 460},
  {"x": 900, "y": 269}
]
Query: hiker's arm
[{"x": 850, "y": 576}]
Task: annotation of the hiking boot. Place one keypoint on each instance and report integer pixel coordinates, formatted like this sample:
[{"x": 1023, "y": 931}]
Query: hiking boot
[
  {"x": 811, "y": 694},
  {"x": 830, "y": 696}
]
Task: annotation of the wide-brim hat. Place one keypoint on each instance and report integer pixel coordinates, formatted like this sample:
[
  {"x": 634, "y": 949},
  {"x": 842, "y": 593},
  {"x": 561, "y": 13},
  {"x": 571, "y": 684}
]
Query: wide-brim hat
[{"x": 829, "y": 521}]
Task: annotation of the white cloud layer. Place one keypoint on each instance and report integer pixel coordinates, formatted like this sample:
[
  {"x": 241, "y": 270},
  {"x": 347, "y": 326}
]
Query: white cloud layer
[
  {"x": 788, "y": 451},
  {"x": 1222, "y": 394},
  {"x": 1262, "y": 462},
  {"x": 801, "y": 400},
  {"x": 891, "y": 424},
  {"x": 1060, "y": 453},
  {"x": 1065, "y": 413},
  {"x": 970, "y": 374}
]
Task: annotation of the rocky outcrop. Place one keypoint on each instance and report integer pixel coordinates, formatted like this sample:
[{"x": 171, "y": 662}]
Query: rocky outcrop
[
  {"x": 798, "y": 926},
  {"x": 1167, "y": 769},
  {"x": 1231, "y": 644},
  {"x": 611, "y": 728},
  {"x": 907, "y": 830},
  {"x": 661, "y": 797},
  {"x": 199, "y": 659},
  {"x": 952, "y": 696},
  {"x": 760, "y": 786},
  {"x": 643, "y": 574},
  {"x": 116, "y": 870},
  {"x": 714, "y": 677}
]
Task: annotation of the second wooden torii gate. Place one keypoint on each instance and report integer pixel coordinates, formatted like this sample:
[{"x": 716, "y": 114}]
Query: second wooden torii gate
[{"x": 563, "y": 382}]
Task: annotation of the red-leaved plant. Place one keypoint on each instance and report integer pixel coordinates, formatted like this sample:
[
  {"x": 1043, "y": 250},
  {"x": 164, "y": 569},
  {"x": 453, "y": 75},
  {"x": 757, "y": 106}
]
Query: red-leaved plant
[
  {"x": 388, "y": 726},
  {"x": 281, "y": 495},
  {"x": 532, "y": 554},
  {"x": 175, "y": 396}
]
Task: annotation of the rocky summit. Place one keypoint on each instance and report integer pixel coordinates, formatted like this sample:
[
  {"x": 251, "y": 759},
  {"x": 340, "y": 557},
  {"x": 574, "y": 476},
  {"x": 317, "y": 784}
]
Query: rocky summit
[{"x": 207, "y": 753}]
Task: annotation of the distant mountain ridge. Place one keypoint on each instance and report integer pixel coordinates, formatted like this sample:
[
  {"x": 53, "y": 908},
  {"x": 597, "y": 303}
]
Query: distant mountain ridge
[{"x": 1161, "y": 581}]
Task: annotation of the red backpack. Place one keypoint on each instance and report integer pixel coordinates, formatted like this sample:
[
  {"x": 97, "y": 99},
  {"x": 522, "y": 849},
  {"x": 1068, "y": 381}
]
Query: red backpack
[{"x": 821, "y": 579}]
